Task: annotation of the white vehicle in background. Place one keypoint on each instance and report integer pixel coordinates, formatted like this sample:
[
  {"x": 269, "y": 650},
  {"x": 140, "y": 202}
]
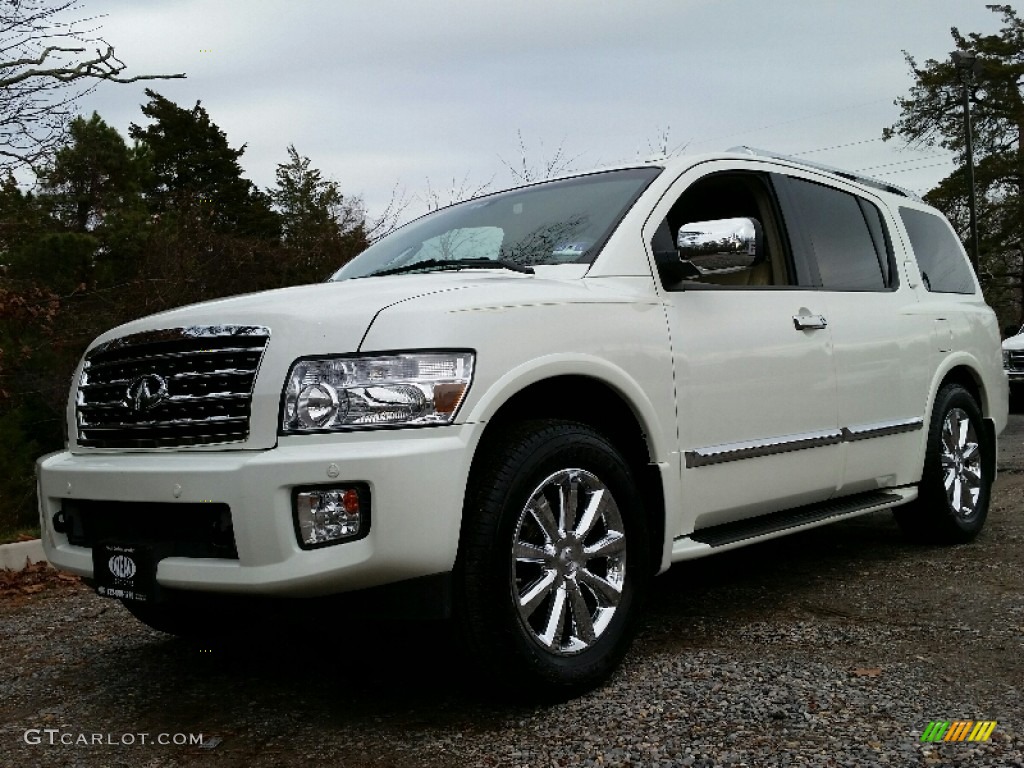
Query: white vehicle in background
[
  {"x": 520, "y": 408},
  {"x": 1013, "y": 362}
]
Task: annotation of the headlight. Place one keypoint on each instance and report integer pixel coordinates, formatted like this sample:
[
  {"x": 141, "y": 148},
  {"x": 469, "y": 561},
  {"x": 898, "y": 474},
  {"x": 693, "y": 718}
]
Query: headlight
[{"x": 401, "y": 389}]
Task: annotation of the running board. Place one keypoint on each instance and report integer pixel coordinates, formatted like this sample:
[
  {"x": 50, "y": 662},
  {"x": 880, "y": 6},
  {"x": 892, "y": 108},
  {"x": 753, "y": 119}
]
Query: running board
[{"x": 718, "y": 538}]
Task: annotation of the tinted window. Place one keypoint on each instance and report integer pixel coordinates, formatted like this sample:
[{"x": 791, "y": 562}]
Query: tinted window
[
  {"x": 944, "y": 267},
  {"x": 844, "y": 246}
]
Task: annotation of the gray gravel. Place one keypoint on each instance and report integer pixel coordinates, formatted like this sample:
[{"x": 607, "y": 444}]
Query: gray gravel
[{"x": 832, "y": 648}]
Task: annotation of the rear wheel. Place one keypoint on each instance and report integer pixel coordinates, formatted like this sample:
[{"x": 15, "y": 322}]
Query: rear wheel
[
  {"x": 554, "y": 559},
  {"x": 953, "y": 495}
]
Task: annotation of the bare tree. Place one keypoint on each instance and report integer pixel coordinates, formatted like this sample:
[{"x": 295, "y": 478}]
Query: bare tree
[
  {"x": 527, "y": 171},
  {"x": 457, "y": 192},
  {"x": 391, "y": 218},
  {"x": 46, "y": 64}
]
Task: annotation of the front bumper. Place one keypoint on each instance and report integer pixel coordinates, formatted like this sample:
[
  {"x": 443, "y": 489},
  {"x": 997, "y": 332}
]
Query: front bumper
[{"x": 417, "y": 480}]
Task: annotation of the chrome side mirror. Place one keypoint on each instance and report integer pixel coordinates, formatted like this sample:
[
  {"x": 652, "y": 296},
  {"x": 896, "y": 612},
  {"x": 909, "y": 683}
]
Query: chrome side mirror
[{"x": 719, "y": 247}]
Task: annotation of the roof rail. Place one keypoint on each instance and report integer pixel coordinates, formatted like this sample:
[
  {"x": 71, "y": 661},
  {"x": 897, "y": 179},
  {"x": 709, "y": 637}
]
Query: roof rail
[{"x": 865, "y": 180}]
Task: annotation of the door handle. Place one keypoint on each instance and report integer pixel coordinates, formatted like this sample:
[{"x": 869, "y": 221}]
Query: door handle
[{"x": 809, "y": 322}]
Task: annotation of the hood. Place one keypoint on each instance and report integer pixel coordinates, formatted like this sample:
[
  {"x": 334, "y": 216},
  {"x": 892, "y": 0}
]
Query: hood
[
  {"x": 336, "y": 312},
  {"x": 327, "y": 318},
  {"x": 1014, "y": 342},
  {"x": 334, "y": 318}
]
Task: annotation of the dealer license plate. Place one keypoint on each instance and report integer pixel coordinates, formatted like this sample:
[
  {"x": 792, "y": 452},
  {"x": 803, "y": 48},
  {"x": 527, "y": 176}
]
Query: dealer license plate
[{"x": 125, "y": 571}]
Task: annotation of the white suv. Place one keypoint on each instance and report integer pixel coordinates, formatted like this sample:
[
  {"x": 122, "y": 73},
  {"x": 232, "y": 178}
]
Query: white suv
[
  {"x": 524, "y": 406},
  {"x": 1013, "y": 361}
]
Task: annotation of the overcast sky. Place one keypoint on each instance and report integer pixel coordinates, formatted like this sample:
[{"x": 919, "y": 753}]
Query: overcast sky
[{"x": 386, "y": 93}]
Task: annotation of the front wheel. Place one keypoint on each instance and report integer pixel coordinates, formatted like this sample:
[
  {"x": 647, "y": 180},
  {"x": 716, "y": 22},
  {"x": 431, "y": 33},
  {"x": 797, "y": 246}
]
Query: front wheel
[
  {"x": 953, "y": 495},
  {"x": 554, "y": 559}
]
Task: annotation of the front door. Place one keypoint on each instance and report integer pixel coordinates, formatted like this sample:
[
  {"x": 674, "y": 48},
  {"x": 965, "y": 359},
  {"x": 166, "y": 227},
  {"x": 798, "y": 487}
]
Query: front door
[
  {"x": 757, "y": 402},
  {"x": 753, "y": 360}
]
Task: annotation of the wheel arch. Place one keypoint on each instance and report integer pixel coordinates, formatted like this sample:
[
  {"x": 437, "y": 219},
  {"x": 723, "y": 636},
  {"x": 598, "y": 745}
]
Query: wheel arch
[
  {"x": 599, "y": 405},
  {"x": 967, "y": 376}
]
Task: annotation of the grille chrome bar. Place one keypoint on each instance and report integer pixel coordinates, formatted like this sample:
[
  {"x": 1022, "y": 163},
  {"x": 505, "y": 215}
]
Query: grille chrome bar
[
  {"x": 209, "y": 397},
  {"x": 173, "y": 387},
  {"x": 176, "y": 356},
  {"x": 124, "y": 382}
]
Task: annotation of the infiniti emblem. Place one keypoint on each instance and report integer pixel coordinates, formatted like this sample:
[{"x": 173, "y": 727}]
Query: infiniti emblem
[
  {"x": 121, "y": 566},
  {"x": 146, "y": 392}
]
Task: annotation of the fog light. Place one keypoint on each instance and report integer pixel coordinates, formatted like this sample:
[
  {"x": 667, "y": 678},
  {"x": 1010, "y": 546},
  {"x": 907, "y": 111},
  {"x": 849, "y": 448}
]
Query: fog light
[{"x": 325, "y": 516}]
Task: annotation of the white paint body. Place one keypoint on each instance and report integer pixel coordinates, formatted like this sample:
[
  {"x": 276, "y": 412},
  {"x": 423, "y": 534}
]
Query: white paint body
[{"x": 700, "y": 370}]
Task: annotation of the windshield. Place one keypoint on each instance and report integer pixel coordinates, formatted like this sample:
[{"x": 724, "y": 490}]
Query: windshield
[{"x": 555, "y": 222}]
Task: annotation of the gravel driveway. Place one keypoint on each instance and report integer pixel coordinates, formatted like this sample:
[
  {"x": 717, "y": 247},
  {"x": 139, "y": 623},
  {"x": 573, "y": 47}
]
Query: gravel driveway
[{"x": 835, "y": 647}]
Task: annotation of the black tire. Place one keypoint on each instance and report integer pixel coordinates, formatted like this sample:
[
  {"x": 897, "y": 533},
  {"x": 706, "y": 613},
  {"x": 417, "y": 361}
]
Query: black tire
[
  {"x": 584, "y": 599},
  {"x": 956, "y": 483}
]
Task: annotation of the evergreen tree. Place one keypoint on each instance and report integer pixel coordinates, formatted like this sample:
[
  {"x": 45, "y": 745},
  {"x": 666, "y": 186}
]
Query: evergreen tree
[
  {"x": 94, "y": 175},
  {"x": 195, "y": 175},
  {"x": 932, "y": 114},
  {"x": 321, "y": 228}
]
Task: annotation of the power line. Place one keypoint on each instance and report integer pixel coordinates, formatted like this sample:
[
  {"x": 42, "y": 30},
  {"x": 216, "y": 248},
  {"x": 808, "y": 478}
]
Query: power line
[
  {"x": 915, "y": 168},
  {"x": 719, "y": 137},
  {"x": 899, "y": 162},
  {"x": 837, "y": 146}
]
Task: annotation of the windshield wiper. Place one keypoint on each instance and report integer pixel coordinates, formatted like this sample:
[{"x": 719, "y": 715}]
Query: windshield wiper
[{"x": 442, "y": 265}]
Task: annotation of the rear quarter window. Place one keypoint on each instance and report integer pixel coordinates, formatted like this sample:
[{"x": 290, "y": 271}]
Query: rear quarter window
[{"x": 940, "y": 257}]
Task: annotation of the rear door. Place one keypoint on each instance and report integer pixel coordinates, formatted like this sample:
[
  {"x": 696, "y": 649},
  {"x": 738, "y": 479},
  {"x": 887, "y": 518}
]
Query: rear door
[{"x": 880, "y": 337}]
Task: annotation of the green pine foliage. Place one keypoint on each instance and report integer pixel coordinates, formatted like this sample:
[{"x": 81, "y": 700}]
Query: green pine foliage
[
  {"x": 932, "y": 114},
  {"x": 114, "y": 231}
]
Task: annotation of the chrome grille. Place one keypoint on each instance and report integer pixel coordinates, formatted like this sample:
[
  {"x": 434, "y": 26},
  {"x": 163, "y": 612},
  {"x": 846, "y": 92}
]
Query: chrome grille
[
  {"x": 173, "y": 387},
  {"x": 1017, "y": 359}
]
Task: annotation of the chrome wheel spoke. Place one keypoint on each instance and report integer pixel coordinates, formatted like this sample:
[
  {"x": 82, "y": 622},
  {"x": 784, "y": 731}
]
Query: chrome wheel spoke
[
  {"x": 535, "y": 594},
  {"x": 541, "y": 512},
  {"x": 555, "y": 627},
  {"x": 582, "y": 621},
  {"x": 962, "y": 426},
  {"x": 969, "y": 500},
  {"x": 606, "y": 592},
  {"x": 948, "y": 438},
  {"x": 612, "y": 544},
  {"x": 948, "y": 480},
  {"x": 591, "y": 514},
  {"x": 954, "y": 494},
  {"x": 531, "y": 553},
  {"x": 568, "y": 497}
]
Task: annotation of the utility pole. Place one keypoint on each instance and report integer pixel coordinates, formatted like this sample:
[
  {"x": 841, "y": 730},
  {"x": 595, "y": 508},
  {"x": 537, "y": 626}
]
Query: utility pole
[{"x": 968, "y": 67}]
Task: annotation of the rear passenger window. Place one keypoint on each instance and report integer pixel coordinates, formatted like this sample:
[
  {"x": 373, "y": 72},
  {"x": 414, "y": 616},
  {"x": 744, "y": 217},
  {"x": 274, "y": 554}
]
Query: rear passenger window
[
  {"x": 941, "y": 259},
  {"x": 845, "y": 234}
]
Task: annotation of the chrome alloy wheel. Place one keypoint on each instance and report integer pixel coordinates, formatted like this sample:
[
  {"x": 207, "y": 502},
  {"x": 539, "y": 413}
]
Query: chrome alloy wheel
[
  {"x": 961, "y": 463},
  {"x": 568, "y": 562}
]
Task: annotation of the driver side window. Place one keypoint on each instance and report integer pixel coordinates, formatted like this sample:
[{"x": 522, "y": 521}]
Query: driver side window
[{"x": 715, "y": 198}]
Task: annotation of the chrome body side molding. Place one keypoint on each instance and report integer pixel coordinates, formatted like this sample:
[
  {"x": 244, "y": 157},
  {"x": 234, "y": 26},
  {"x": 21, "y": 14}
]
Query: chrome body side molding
[
  {"x": 868, "y": 431},
  {"x": 720, "y": 454}
]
